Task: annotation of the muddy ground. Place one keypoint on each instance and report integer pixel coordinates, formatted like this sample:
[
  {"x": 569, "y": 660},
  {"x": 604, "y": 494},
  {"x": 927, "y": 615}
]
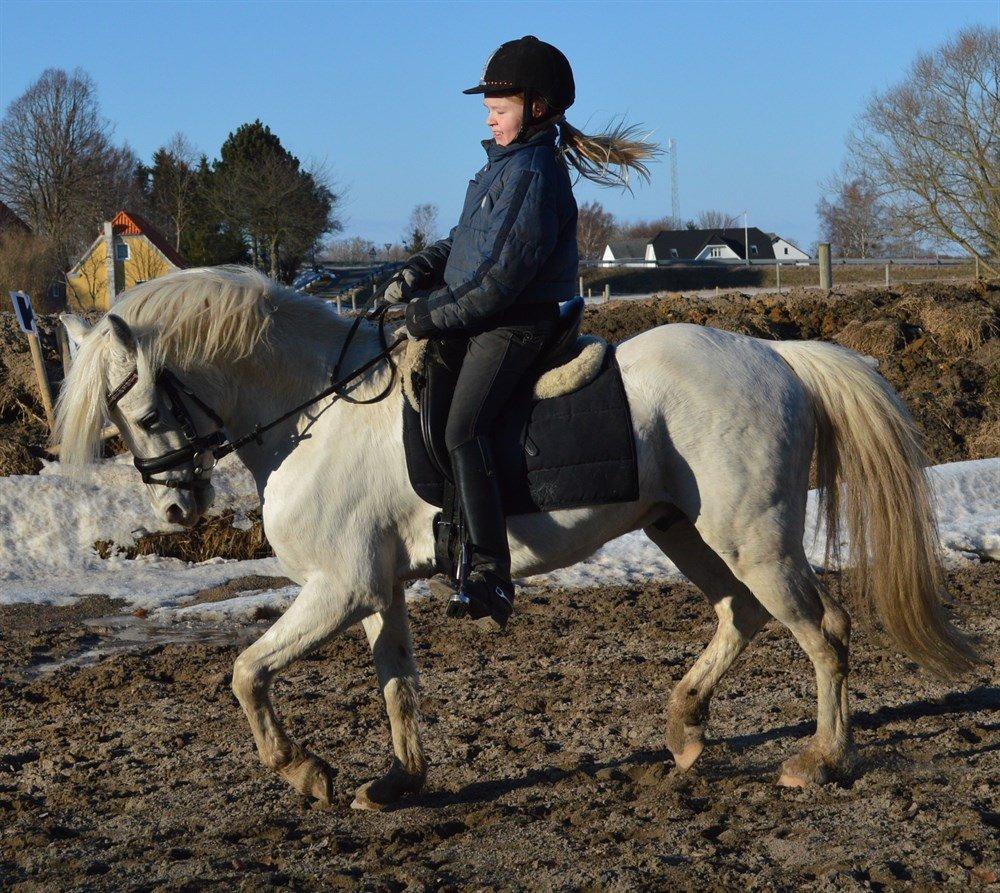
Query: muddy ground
[{"x": 137, "y": 772}]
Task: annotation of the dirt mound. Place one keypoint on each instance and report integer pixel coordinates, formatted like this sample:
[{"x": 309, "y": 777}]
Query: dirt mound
[
  {"x": 22, "y": 416},
  {"x": 937, "y": 344}
]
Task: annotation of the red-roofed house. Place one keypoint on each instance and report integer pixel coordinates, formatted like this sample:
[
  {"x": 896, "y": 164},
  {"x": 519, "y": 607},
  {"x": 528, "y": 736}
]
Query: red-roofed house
[{"x": 128, "y": 251}]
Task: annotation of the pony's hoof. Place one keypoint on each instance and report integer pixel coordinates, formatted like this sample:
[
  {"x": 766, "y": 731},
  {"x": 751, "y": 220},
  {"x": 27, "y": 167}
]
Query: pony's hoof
[
  {"x": 311, "y": 777},
  {"x": 803, "y": 770},
  {"x": 691, "y": 751},
  {"x": 387, "y": 791}
]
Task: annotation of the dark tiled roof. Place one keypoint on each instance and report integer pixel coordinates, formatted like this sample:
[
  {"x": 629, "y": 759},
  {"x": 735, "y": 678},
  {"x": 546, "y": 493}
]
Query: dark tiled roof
[
  {"x": 689, "y": 243},
  {"x": 628, "y": 248}
]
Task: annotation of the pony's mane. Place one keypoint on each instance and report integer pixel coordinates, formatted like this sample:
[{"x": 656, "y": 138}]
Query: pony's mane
[
  {"x": 187, "y": 318},
  {"x": 203, "y": 314}
]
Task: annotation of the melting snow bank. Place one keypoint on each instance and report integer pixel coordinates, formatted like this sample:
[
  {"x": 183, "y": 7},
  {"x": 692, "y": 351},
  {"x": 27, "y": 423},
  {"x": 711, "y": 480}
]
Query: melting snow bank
[{"x": 48, "y": 524}]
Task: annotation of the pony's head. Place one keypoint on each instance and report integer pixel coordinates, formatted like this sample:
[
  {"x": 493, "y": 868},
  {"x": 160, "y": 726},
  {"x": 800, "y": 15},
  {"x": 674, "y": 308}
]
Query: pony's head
[
  {"x": 195, "y": 322},
  {"x": 115, "y": 376}
]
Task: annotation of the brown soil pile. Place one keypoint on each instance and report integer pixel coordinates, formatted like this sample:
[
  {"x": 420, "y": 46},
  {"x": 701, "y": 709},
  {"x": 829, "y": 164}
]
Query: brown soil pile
[
  {"x": 937, "y": 344},
  {"x": 548, "y": 767},
  {"x": 22, "y": 416}
]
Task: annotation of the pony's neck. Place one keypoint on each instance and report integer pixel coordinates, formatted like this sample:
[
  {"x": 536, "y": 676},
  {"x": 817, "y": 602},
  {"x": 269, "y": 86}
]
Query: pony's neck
[{"x": 294, "y": 364}]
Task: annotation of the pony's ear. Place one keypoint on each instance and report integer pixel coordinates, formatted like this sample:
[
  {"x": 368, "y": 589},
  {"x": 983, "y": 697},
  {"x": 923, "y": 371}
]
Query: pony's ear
[
  {"x": 76, "y": 327},
  {"x": 122, "y": 339}
]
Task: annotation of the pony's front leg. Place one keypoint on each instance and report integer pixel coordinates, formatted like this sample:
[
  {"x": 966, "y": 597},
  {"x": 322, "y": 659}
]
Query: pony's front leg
[
  {"x": 323, "y": 608},
  {"x": 389, "y": 636}
]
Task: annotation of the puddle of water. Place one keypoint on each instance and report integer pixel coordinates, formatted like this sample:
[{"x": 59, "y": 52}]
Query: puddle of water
[{"x": 124, "y": 632}]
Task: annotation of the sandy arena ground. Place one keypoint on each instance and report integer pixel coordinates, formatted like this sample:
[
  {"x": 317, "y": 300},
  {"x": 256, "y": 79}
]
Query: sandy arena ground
[{"x": 549, "y": 771}]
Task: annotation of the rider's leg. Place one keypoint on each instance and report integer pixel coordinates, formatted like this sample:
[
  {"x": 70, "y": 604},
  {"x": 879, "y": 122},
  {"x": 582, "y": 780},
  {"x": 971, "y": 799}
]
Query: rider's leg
[{"x": 495, "y": 364}]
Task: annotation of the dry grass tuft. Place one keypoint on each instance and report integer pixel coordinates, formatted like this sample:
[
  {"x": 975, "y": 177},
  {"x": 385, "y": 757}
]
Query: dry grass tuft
[
  {"x": 961, "y": 327},
  {"x": 16, "y": 458},
  {"x": 213, "y": 537},
  {"x": 985, "y": 443},
  {"x": 879, "y": 338}
]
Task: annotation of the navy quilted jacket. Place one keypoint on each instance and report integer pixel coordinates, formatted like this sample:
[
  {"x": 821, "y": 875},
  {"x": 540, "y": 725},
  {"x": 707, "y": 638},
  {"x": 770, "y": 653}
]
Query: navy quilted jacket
[{"x": 514, "y": 244}]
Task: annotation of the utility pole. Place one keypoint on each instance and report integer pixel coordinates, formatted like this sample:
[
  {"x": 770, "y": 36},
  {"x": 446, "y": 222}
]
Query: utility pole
[
  {"x": 746, "y": 238},
  {"x": 675, "y": 202}
]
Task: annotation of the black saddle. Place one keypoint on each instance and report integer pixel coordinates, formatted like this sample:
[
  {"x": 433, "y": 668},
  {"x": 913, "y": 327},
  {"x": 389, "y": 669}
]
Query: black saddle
[
  {"x": 435, "y": 394},
  {"x": 563, "y": 452}
]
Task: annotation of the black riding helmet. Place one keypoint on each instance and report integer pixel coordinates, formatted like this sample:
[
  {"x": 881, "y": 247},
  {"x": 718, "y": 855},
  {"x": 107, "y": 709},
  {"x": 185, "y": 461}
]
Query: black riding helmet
[{"x": 531, "y": 66}]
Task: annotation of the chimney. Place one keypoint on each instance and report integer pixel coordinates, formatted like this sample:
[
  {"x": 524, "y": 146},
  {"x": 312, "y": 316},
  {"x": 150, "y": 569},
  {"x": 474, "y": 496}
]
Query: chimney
[{"x": 111, "y": 264}]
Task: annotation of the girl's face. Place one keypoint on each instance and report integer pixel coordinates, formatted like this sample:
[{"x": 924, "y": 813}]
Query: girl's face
[{"x": 503, "y": 117}]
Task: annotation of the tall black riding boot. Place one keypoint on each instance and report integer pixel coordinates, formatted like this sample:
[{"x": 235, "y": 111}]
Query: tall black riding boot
[{"x": 487, "y": 590}]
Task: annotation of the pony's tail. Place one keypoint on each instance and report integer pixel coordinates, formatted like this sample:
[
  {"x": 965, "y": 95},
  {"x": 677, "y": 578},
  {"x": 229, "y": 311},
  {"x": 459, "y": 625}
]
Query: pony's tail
[
  {"x": 607, "y": 158},
  {"x": 867, "y": 440}
]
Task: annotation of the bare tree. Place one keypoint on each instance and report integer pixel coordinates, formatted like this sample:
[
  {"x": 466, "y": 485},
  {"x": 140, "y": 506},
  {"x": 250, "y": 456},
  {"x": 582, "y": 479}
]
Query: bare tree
[
  {"x": 58, "y": 167},
  {"x": 716, "y": 220},
  {"x": 853, "y": 218},
  {"x": 353, "y": 249},
  {"x": 595, "y": 227},
  {"x": 422, "y": 228},
  {"x": 932, "y": 144},
  {"x": 648, "y": 229}
]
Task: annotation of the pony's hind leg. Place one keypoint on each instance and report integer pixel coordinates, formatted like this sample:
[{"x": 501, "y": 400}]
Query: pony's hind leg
[
  {"x": 792, "y": 593},
  {"x": 321, "y": 610},
  {"x": 740, "y": 617},
  {"x": 392, "y": 649}
]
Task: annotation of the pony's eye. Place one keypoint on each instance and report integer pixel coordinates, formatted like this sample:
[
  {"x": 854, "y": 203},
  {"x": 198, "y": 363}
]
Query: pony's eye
[{"x": 149, "y": 420}]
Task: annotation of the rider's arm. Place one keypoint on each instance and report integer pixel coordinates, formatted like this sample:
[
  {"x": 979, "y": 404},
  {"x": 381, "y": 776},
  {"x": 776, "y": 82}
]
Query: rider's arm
[
  {"x": 524, "y": 232},
  {"x": 429, "y": 264}
]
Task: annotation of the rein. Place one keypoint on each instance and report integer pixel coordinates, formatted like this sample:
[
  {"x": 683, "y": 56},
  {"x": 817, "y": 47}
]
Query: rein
[{"x": 218, "y": 444}]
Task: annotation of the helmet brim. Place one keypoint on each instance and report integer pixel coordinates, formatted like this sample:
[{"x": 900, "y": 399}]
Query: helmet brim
[{"x": 499, "y": 91}]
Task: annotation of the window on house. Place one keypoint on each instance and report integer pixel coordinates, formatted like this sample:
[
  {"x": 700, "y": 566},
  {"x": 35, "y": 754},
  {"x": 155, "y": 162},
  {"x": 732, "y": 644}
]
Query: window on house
[
  {"x": 673, "y": 252},
  {"x": 716, "y": 251},
  {"x": 786, "y": 251},
  {"x": 753, "y": 250},
  {"x": 121, "y": 251}
]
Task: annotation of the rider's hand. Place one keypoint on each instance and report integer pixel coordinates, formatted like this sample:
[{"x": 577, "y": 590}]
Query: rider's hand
[
  {"x": 418, "y": 320},
  {"x": 400, "y": 288}
]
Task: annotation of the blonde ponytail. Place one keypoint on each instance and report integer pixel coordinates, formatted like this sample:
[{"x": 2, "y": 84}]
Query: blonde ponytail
[{"x": 607, "y": 158}]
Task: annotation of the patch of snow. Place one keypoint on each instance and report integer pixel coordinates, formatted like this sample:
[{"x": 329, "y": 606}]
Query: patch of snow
[
  {"x": 49, "y": 523},
  {"x": 240, "y": 609}
]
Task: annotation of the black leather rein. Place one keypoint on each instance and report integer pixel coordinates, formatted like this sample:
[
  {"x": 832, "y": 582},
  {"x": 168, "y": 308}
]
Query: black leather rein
[{"x": 217, "y": 444}]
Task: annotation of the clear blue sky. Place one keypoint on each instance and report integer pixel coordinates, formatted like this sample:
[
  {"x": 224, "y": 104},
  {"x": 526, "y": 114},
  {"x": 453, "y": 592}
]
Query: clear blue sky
[{"x": 759, "y": 95}]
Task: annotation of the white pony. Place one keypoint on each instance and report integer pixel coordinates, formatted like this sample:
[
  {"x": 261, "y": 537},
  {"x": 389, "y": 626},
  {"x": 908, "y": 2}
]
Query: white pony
[{"x": 725, "y": 427}]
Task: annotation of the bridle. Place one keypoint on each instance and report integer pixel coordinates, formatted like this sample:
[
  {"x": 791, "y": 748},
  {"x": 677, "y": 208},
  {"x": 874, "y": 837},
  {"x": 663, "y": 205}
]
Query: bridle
[{"x": 204, "y": 450}]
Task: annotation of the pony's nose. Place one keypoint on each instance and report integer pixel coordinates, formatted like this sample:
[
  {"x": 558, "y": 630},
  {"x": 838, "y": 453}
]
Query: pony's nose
[{"x": 174, "y": 513}]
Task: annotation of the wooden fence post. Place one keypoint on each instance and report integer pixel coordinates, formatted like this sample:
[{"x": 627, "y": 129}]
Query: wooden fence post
[
  {"x": 887, "y": 280},
  {"x": 43, "y": 380},
  {"x": 825, "y": 267},
  {"x": 67, "y": 356},
  {"x": 607, "y": 292},
  {"x": 777, "y": 276},
  {"x": 581, "y": 280}
]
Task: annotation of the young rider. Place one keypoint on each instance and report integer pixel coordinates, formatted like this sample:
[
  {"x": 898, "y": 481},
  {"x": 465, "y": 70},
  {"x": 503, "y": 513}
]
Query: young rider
[{"x": 492, "y": 288}]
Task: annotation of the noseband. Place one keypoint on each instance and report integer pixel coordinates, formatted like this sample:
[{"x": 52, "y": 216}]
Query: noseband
[{"x": 217, "y": 443}]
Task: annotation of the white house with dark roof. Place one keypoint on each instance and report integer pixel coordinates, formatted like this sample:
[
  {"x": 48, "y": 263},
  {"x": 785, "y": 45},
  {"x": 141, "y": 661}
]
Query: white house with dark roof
[
  {"x": 720, "y": 245},
  {"x": 628, "y": 253}
]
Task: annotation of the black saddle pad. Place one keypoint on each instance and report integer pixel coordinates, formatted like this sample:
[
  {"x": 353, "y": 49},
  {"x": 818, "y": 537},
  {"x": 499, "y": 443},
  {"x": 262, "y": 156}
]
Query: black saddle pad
[{"x": 563, "y": 452}]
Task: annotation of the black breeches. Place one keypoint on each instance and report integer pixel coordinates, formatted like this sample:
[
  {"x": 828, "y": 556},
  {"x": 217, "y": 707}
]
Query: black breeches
[{"x": 494, "y": 364}]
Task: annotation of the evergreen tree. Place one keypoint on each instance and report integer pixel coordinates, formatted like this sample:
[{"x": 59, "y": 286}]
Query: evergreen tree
[{"x": 260, "y": 192}]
